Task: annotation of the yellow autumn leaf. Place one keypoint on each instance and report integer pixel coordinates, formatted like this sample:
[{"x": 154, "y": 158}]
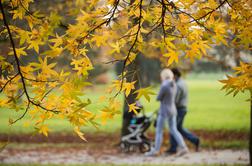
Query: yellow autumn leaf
[
  {"x": 130, "y": 58},
  {"x": 43, "y": 129},
  {"x": 133, "y": 107},
  {"x": 172, "y": 56},
  {"x": 128, "y": 87},
  {"x": 79, "y": 133},
  {"x": 57, "y": 40},
  {"x": 146, "y": 92},
  {"x": 19, "y": 52},
  {"x": 54, "y": 51},
  {"x": 34, "y": 44},
  {"x": 116, "y": 48}
]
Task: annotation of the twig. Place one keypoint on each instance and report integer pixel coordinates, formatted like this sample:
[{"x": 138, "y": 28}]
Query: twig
[
  {"x": 29, "y": 79},
  {"x": 26, "y": 110},
  {"x": 210, "y": 12},
  {"x": 46, "y": 94},
  {"x": 8, "y": 82}
]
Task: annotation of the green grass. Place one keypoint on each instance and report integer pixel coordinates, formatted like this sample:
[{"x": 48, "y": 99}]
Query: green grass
[{"x": 209, "y": 109}]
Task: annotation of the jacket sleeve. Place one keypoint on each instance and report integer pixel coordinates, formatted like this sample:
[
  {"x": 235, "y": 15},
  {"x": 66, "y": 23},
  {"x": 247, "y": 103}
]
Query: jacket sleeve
[
  {"x": 179, "y": 94},
  {"x": 161, "y": 93}
]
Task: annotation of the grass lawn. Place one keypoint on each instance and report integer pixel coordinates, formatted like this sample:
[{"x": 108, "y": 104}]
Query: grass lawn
[{"x": 209, "y": 109}]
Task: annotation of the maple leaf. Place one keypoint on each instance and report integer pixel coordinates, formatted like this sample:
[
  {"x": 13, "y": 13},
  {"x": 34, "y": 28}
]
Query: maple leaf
[
  {"x": 45, "y": 67},
  {"x": 19, "y": 13},
  {"x": 168, "y": 42},
  {"x": 128, "y": 87},
  {"x": 82, "y": 65},
  {"x": 24, "y": 36},
  {"x": 116, "y": 47},
  {"x": 146, "y": 92},
  {"x": 117, "y": 84},
  {"x": 108, "y": 112},
  {"x": 54, "y": 51},
  {"x": 57, "y": 40},
  {"x": 35, "y": 44},
  {"x": 242, "y": 68},
  {"x": 19, "y": 52},
  {"x": 133, "y": 107},
  {"x": 43, "y": 129},
  {"x": 79, "y": 133},
  {"x": 173, "y": 56},
  {"x": 99, "y": 40}
]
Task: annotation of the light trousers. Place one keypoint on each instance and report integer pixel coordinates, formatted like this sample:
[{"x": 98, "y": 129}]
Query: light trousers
[{"x": 172, "y": 123}]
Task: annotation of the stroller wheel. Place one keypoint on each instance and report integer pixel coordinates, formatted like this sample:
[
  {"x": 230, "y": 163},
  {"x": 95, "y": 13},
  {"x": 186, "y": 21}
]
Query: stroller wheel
[
  {"x": 145, "y": 147},
  {"x": 125, "y": 147}
]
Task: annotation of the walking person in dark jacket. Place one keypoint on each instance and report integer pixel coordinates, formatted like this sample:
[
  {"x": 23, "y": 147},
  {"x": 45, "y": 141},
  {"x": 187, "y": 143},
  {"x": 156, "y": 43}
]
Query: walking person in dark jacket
[{"x": 181, "y": 105}]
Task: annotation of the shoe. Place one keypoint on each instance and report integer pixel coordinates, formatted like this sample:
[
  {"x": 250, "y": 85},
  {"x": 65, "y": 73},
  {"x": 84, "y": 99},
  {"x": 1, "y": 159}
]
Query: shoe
[
  {"x": 152, "y": 152},
  {"x": 170, "y": 152},
  {"x": 197, "y": 145},
  {"x": 182, "y": 151}
]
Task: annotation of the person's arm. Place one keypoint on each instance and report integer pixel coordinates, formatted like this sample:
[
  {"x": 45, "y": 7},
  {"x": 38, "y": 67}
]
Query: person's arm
[
  {"x": 161, "y": 93},
  {"x": 179, "y": 94}
]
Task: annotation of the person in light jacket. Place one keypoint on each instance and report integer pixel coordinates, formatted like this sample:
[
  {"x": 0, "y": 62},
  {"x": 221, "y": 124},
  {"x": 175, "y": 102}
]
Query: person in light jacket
[
  {"x": 167, "y": 112},
  {"x": 181, "y": 101}
]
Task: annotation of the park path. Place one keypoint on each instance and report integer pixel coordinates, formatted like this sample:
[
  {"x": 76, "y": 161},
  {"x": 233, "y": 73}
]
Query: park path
[{"x": 80, "y": 156}]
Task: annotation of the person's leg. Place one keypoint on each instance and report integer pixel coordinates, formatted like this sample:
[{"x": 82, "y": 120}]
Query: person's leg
[
  {"x": 173, "y": 143},
  {"x": 184, "y": 132},
  {"x": 158, "y": 136},
  {"x": 174, "y": 132},
  {"x": 159, "y": 132}
]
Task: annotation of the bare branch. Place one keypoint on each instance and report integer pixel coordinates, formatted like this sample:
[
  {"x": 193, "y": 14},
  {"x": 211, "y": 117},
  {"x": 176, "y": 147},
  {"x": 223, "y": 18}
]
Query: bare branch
[
  {"x": 163, "y": 21},
  {"x": 113, "y": 61},
  {"x": 21, "y": 117},
  {"x": 113, "y": 12},
  {"x": 29, "y": 79},
  {"x": 20, "y": 95},
  {"x": 46, "y": 94}
]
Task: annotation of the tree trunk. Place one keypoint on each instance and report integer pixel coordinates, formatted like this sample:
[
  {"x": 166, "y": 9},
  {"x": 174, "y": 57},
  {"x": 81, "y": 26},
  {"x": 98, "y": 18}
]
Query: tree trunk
[
  {"x": 237, "y": 56},
  {"x": 127, "y": 116}
]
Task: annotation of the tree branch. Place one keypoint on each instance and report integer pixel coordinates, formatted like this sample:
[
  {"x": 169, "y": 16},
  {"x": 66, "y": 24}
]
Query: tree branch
[
  {"x": 34, "y": 80},
  {"x": 132, "y": 46},
  {"x": 21, "y": 117},
  {"x": 8, "y": 82},
  {"x": 210, "y": 12},
  {"x": 18, "y": 63}
]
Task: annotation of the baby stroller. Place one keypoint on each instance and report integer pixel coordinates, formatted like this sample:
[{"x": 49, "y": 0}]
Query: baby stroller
[{"x": 136, "y": 138}]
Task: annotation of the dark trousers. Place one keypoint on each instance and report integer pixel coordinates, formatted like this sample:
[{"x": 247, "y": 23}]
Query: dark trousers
[{"x": 184, "y": 132}]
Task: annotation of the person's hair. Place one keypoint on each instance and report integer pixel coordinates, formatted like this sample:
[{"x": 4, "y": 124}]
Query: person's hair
[
  {"x": 166, "y": 74},
  {"x": 176, "y": 72}
]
